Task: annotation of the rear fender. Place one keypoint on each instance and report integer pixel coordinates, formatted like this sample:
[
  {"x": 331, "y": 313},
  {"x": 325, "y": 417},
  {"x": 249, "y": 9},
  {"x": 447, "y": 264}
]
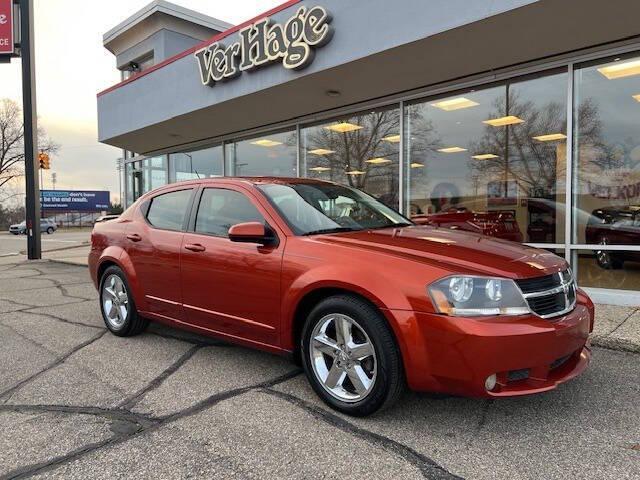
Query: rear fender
[{"x": 120, "y": 257}]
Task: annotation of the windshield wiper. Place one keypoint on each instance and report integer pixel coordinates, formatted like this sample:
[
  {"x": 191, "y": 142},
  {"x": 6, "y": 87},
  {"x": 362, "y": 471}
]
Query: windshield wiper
[
  {"x": 330, "y": 230},
  {"x": 393, "y": 225}
]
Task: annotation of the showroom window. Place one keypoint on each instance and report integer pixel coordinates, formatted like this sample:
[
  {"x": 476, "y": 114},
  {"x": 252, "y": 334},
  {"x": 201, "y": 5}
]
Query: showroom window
[
  {"x": 606, "y": 183},
  {"x": 195, "y": 164},
  {"x": 491, "y": 161},
  {"x": 360, "y": 150},
  {"x": 272, "y": 154},
  {"x": 154, "y": 173}
]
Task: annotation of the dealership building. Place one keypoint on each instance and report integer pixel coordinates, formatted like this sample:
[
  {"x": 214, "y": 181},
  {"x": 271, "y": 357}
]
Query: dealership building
[{"x": 512, "y": 116}]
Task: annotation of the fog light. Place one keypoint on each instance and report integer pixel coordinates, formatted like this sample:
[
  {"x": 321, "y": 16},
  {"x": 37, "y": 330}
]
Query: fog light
[{"x": 490, "y": 382}]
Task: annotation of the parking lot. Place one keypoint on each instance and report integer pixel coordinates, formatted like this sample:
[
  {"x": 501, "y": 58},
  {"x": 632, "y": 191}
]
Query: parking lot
[
  {"x": 12, "y": 245},
  {"x": 78, "y": 402}
]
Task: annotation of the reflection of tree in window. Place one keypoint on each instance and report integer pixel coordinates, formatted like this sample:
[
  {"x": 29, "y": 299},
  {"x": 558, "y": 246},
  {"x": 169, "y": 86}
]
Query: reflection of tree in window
[
  {"x": 365, "y": 155},
  {"x": 536, "y": 165}
]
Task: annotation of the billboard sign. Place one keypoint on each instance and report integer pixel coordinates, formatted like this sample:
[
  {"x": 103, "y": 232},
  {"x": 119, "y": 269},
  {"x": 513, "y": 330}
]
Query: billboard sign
[
  {"x": 6, "y": 27},
  {"x": 75, "y": 200}
]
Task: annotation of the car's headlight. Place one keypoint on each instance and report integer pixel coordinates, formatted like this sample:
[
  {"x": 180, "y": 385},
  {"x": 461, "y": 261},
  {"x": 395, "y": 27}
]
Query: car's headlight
[{"x": 470, "y": 296}]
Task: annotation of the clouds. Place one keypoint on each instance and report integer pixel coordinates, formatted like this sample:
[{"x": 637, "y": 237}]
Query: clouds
[{"x": 72, "y": 66}]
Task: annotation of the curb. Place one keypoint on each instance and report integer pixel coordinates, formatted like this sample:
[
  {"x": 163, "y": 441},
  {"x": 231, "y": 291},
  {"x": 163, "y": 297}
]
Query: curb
[{"x": 613, "y": 343}]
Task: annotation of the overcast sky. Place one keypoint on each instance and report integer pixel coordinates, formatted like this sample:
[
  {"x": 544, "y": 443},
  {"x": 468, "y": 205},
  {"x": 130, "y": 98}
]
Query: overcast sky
[{"x": 72, "y": 66}]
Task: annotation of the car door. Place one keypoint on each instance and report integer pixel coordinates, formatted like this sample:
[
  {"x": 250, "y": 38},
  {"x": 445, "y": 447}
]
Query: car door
[
  {"x": 153, "y": 242},
  {"x": 227, "y": 287}
]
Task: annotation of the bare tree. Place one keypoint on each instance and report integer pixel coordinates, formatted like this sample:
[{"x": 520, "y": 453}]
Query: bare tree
[
  {"x": 366, "y": 157},
  {"x": 534, "y": 165},
  {"x": 12, "y": 142}
]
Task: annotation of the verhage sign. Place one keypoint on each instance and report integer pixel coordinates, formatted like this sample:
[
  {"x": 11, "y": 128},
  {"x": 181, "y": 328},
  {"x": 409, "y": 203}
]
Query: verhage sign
[
  {"x": 75, "y": 200},
  {"x": 6, "y": 27},
  {"x": 261, "y": 43}
]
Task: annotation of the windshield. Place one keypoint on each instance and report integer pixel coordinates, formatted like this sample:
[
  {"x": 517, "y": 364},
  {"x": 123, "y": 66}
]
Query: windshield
[{"x": 327, "y": 208}]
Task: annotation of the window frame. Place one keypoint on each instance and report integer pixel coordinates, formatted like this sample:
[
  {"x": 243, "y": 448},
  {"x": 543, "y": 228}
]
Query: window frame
[{"x": 146, "y": 207}]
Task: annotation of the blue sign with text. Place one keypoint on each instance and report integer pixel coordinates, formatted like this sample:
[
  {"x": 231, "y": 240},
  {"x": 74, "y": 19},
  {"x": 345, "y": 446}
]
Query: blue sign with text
[{"x": 75, "y": 200}]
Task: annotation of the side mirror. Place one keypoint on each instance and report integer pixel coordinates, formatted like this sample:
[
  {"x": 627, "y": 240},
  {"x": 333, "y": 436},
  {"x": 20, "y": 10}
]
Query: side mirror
[{"x": 252, "y": 232}]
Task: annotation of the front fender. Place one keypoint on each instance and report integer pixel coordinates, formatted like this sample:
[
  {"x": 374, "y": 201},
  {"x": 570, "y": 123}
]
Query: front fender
[{"x": 373, "y": 286}]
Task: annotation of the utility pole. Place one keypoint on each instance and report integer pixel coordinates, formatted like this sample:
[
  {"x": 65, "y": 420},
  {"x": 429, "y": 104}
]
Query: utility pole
[{"x": 31, "y": 166}]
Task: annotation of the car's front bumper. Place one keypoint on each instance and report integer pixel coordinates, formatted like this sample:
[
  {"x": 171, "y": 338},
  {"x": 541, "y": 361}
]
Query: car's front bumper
[{"x": 527, "y": 353}]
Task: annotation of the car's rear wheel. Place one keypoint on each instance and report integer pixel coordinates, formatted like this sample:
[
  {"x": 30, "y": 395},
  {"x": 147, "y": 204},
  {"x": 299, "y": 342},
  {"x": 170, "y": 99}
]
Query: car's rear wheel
[
  {"x": 117, "y": 305},
  {"x": 351, "y": 357},
  {"x": 49, "y": 230}
]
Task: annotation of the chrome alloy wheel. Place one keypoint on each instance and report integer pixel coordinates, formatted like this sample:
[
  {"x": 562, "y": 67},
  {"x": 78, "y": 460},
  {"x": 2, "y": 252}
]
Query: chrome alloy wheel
[
  {"x": 603, "y": 256},
  {"x": 115, "y": 301},
  {"x": 343, "y": 358}
]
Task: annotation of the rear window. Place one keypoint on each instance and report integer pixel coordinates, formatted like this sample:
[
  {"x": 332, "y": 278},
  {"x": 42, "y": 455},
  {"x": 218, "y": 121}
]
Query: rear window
[{"x": 169, "y": 210}]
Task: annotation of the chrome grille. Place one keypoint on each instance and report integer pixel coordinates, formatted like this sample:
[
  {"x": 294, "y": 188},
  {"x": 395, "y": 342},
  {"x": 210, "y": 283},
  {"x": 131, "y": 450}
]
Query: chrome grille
[{"x": 551, "y": 295}]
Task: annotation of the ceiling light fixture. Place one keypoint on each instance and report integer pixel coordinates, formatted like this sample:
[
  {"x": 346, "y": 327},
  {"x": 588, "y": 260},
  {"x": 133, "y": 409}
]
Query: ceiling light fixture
[
  {"x": 455, "y": 104},
  {"x": 452, "y": 150},
  {"x": 484, "y": 156},
  {"x": 265, "y": 142},
  {"x": 319, "y": 169},
  {"x": 503, "y": 121},
  {"x": 343, "y": 127},
  {"x": 621, "y": 70},
  {"x": 355, "y": 172},
  {"x": 378, "y": 161},
  {"x": 637, "y": 97},
  {"x": 392, "y": 139},
  {"x": 552, "y": 137},
  {"x": 416, "y": 165},
  {"x": 321, "y": 151}
]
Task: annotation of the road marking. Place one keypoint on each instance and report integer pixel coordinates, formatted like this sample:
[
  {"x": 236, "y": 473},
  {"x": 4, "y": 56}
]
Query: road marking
[{"x": 9, "y": 254}]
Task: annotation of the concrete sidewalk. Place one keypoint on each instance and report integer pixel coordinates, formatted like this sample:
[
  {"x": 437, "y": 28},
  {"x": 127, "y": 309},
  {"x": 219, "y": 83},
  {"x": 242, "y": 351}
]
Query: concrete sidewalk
[{"x": 616, "y": 327}]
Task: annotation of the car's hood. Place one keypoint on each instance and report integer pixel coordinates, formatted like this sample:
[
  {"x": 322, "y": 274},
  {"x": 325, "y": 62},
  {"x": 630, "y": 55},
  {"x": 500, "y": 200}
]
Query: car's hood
[{"x": 456, "y": 250}]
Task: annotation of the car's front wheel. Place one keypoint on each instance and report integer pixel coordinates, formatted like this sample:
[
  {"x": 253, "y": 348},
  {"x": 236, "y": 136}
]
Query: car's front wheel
[
  {"x": 117, "y": 306},
  {"x": 49, "y": 230},
  {"x": 350, "y": 356}
]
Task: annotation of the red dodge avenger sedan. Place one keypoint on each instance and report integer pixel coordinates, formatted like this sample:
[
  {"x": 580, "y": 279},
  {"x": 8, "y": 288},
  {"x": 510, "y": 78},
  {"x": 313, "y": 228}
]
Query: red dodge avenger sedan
[{"x": 367, "y": 301}]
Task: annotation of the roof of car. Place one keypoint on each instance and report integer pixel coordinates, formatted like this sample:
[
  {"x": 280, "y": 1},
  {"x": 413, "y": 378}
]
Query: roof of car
[{"x": 621, "y": 208}]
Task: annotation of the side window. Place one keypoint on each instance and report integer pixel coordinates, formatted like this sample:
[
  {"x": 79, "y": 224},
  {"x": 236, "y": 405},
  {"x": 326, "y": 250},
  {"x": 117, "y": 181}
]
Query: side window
[
  {"x": 220, "y": 209},
  {"x": 168, "y": 211}
]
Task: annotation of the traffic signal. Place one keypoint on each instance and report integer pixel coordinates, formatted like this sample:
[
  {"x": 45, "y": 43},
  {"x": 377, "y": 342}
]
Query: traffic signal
[{"x": 45, "y": 161}]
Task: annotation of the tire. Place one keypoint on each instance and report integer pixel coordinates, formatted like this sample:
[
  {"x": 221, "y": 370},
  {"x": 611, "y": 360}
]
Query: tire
[
  {"x": 325, "y": 361},
  {"x": 49, "y": 230},
  {"x": 113, "y": 284},
  {"x": 607, "y": 260}
]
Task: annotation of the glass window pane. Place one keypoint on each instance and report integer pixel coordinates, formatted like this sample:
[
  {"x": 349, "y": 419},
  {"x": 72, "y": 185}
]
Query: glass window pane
[
  {"x": 154, "y": 173},
  {"x": 609, "y": 269},
  {"x": 361, "y": 151},
  {"x": 220, "y": 209},
  {"x": 168, "y": 211},
  {"x": 538, "y": 156},
  {"x": 204, "y": 163},
  {"x": 272, "y": 154},
  {"x": 607, "y": 152},
  {"x": 491, "y": 161}
]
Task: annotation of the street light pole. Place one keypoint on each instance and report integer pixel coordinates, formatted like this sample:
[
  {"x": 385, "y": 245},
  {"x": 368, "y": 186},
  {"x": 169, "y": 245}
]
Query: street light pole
[{"x": 31, "y": 167}]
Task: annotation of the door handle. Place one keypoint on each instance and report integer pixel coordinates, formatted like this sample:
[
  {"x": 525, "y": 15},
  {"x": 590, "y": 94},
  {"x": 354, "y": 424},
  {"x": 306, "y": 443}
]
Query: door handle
[
  {"x": 134, "y": 237},
  {"x": 195, "y": 247}
]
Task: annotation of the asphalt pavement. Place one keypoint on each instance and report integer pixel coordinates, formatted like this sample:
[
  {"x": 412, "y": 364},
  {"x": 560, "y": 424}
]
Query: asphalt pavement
[
  {"x": 13, "y": 245},
  {"x": 78, "y": 402}
]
